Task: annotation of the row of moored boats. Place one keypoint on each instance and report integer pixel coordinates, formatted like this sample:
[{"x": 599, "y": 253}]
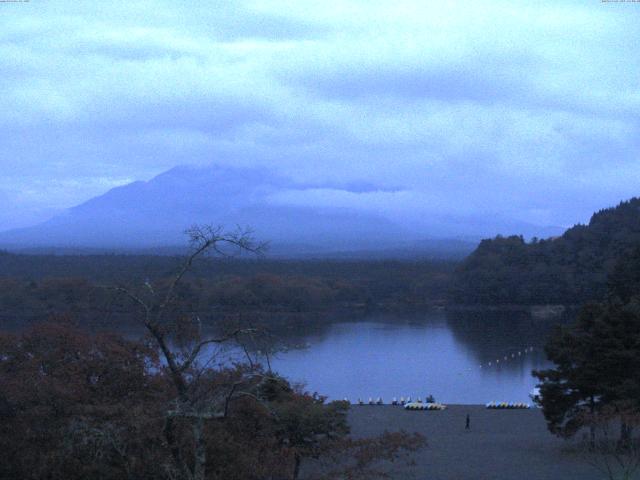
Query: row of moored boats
[{"x": 430, "y": 404}]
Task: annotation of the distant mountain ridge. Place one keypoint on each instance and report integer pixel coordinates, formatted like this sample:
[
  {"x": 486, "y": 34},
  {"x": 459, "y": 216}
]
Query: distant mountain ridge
[
  {"x": 154, "y": 214},
  {"x": 569, "y": 269}
]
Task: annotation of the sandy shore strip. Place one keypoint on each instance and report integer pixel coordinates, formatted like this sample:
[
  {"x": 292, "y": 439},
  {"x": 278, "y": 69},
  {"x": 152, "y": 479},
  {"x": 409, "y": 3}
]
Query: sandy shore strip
[{"x": 500, "y": 445}]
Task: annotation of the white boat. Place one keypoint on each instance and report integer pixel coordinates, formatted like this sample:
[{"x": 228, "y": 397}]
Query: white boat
[{"x": 535, "y": 395}]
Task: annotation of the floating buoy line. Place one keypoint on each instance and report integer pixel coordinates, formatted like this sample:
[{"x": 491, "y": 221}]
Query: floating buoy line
[
  {"x": 506, "y": 358},
  {"x": 429, "y": 404}
]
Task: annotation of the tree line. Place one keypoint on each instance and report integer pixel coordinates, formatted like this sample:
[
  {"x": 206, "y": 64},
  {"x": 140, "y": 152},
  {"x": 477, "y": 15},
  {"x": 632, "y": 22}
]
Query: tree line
[
  {"x": 570, "y": 269},
  {"x": 33, "y": 287}
]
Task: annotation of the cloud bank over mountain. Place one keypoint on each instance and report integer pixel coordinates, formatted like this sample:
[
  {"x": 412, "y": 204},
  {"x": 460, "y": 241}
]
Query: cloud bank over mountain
[{"x": 280, "y": 210}]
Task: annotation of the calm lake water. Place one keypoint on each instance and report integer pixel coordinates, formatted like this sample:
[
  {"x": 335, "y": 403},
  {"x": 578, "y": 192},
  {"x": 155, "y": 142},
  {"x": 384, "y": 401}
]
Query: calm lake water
[
  {"x": 458, "y": 358},
  {"x": 450, "y": 355}
]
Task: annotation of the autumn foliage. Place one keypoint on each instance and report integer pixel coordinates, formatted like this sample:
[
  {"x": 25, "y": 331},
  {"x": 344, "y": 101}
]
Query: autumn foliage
[{"x": 75, "y": 405}]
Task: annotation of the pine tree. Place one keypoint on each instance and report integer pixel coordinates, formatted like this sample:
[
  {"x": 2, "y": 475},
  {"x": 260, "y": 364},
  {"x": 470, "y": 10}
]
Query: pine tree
[{"x": 597, "y": 359}]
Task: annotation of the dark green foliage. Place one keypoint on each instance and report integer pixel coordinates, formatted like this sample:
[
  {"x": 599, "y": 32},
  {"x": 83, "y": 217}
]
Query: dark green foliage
[
  {"x": 573, "y": 387},
  {"x": 34, "y": 287},
  {"x": 597, "y": 359},
  {"x": 571, "y": 269},
  {"x": 624, "y": 281},
  {"x": 274, "y": 388}
]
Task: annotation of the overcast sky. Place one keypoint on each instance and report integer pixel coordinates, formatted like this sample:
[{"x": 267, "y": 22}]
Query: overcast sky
[{"x": 524, "y": 109}]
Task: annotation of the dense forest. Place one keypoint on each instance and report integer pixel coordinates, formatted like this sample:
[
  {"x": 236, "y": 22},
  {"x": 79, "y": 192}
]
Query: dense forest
[
  {"x": 33, "y": 287},
  {"x": 570, "y": 269}
]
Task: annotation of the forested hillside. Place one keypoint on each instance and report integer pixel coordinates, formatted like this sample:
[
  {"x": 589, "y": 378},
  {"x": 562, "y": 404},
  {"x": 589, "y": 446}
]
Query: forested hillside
[{"x": 570, "y": 269}]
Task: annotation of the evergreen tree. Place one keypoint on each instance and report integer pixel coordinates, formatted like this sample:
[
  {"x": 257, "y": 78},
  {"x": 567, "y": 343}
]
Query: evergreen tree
[
  {"x": 624, "y": 281},
  {"x": 571, "y": 269},
  {"x": 571, "y": 389},
  {"x": 597, "y": 359}
]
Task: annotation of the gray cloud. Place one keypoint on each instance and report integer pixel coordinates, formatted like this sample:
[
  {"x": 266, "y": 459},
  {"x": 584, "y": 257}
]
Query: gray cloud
[{"x": 408, "y": 108}]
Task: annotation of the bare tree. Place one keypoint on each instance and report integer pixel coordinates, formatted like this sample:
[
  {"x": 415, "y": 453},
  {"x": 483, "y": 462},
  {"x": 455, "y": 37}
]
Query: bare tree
[
  {"x": 304, "y": 425},
  {"x": 196, "y": 401}
]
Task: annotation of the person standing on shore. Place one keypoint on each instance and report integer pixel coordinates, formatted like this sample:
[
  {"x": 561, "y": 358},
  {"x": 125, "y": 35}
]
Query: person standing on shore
[{"x": 467, "y": 425}]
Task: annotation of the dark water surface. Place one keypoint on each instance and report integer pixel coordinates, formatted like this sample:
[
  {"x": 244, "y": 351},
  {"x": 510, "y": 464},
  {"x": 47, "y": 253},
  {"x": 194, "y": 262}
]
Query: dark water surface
[{"x": 443, "y": 354}]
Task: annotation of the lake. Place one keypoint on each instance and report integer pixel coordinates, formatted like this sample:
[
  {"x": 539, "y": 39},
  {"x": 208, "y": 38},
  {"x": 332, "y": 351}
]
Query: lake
[
  {"x": 462, "y": 358},
  {"x": 459, "y": 357}
]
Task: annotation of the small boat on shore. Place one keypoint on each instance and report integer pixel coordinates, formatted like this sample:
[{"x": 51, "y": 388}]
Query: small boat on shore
[
  {"x": 535, "y": 395},
  {"x": 424, "y": 406},
  {"x": 507, "y": 405}
]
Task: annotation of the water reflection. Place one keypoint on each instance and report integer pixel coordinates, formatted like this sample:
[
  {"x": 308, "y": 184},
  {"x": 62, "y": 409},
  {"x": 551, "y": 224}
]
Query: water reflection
[
  {"x": 490, "y": 336},
  {"x": 446, "y": 355}
]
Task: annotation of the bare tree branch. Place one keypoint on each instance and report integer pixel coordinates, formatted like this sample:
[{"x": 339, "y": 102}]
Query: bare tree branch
[
  {"x": 195, "y": 401},
  {"x": 196, "y": 351}
]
